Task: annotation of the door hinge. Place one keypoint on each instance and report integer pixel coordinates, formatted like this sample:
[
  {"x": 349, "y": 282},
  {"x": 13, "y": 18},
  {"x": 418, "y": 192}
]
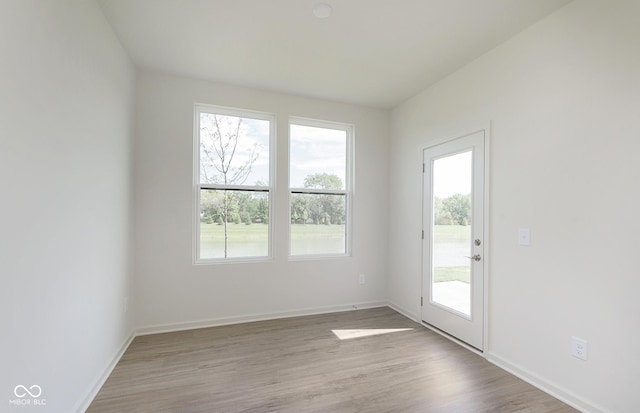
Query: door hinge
[
  {"x": 422, "y": 234},
  {"x": 423, "y": 168},
  {"x": 421, "y": 303}
]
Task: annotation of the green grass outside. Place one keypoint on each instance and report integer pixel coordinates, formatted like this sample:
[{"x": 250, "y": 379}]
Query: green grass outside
[
  {"x": 451, "y": 274},
  {"x": 309, "y": 239},
  {"x": 251, "y": 240},
  {"x": 214, "y": 233},
  {"x": 455, "y": 235},
  {"x": 244, "y": 240},
  {"x": 452, "y": 234},
  {"x": 311, "y": 231}
]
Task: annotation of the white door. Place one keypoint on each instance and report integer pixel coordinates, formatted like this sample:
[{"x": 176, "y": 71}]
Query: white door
[{"x": 453, "y": 251}]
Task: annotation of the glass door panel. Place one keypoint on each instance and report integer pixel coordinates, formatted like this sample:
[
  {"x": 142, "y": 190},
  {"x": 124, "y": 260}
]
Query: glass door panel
[{"x": 451, "y": 264}]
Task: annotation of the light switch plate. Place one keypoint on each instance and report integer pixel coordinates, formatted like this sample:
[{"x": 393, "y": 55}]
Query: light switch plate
[{"x": 524, "y": 236}]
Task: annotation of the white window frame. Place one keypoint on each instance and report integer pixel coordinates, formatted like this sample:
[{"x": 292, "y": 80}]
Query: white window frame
[
  {"x": 197, "y": 186},
  {"x": 348, "y": 185}
]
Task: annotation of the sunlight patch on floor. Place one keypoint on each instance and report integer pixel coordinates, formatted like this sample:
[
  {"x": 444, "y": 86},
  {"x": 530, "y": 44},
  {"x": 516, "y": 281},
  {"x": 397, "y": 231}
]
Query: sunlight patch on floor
[{"x": 365, "y": 332}]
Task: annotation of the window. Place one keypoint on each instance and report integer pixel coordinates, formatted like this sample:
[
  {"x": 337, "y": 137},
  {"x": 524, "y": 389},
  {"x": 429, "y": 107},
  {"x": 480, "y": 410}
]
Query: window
[
  {"x": 233, "y": 164},
  {"x": 320, "y": 184}
]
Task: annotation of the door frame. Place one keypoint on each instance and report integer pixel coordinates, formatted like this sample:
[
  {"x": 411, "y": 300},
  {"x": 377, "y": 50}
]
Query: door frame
[{"x": 459, "y": 132}]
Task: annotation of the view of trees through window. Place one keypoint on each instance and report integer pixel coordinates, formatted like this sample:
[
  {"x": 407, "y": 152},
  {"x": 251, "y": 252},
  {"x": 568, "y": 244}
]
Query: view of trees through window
[
  {"x": 453, "y": 210},
  {"x": 318, "y": 165},
  {"x": 234, "y": 189},
  {"x": 452, "y": 232},
  {"x": 325, "y": 209},
  {"x": 452, "y": 215},
  {"x": 234, "y": 185}
]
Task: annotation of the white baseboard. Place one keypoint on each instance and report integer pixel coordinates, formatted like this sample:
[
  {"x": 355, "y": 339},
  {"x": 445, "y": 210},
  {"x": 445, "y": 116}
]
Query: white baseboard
[
  {"x": 520, "y": 372},
  {"x": 535, "y": 380},
  {"x": 546, "y": 386},
  {"x": 216, "y": 322},
  {"x": 403, "y": 311},
  {"x": 84, "y": 403}
]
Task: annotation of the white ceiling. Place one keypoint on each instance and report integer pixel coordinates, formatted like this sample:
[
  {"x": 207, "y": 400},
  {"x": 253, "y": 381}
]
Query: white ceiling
[{"x": 369, "y": 52}]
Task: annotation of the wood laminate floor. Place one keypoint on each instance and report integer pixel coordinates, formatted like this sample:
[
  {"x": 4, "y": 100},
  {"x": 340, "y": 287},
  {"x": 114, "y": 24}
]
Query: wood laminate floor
[{"x": 299, "y": 365}]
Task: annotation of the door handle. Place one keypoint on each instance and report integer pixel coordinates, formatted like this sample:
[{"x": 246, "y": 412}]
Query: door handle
[{"x": 476, "y": 257}]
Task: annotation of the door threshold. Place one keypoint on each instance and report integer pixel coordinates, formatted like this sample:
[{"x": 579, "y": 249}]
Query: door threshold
[{"x": 452, "y": 338}]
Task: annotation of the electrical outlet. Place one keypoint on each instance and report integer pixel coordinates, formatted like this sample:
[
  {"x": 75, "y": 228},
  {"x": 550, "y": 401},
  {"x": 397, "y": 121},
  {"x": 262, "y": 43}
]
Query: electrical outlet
[
  {"x": 579, "y": 348},
  {"x": 125, "y": 304},
  {"x": 361, "y": 279}
]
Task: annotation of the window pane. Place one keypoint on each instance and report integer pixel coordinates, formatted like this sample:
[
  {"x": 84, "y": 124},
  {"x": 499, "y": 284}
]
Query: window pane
[
  {"x": 318, "y": 224},
  {"x": 451, "y": 276},
  {"x": 318, "y": 157},
  {"x": 234, "y": 224},
  {"x": 234, "y": 150}
]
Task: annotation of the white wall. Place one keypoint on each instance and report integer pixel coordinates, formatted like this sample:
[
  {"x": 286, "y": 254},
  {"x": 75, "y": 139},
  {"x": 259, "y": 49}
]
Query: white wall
[
  {"x": 171, "y": 291},
  {"x": 66, "y": 104},
  {"x": 564, "y": 101}
]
